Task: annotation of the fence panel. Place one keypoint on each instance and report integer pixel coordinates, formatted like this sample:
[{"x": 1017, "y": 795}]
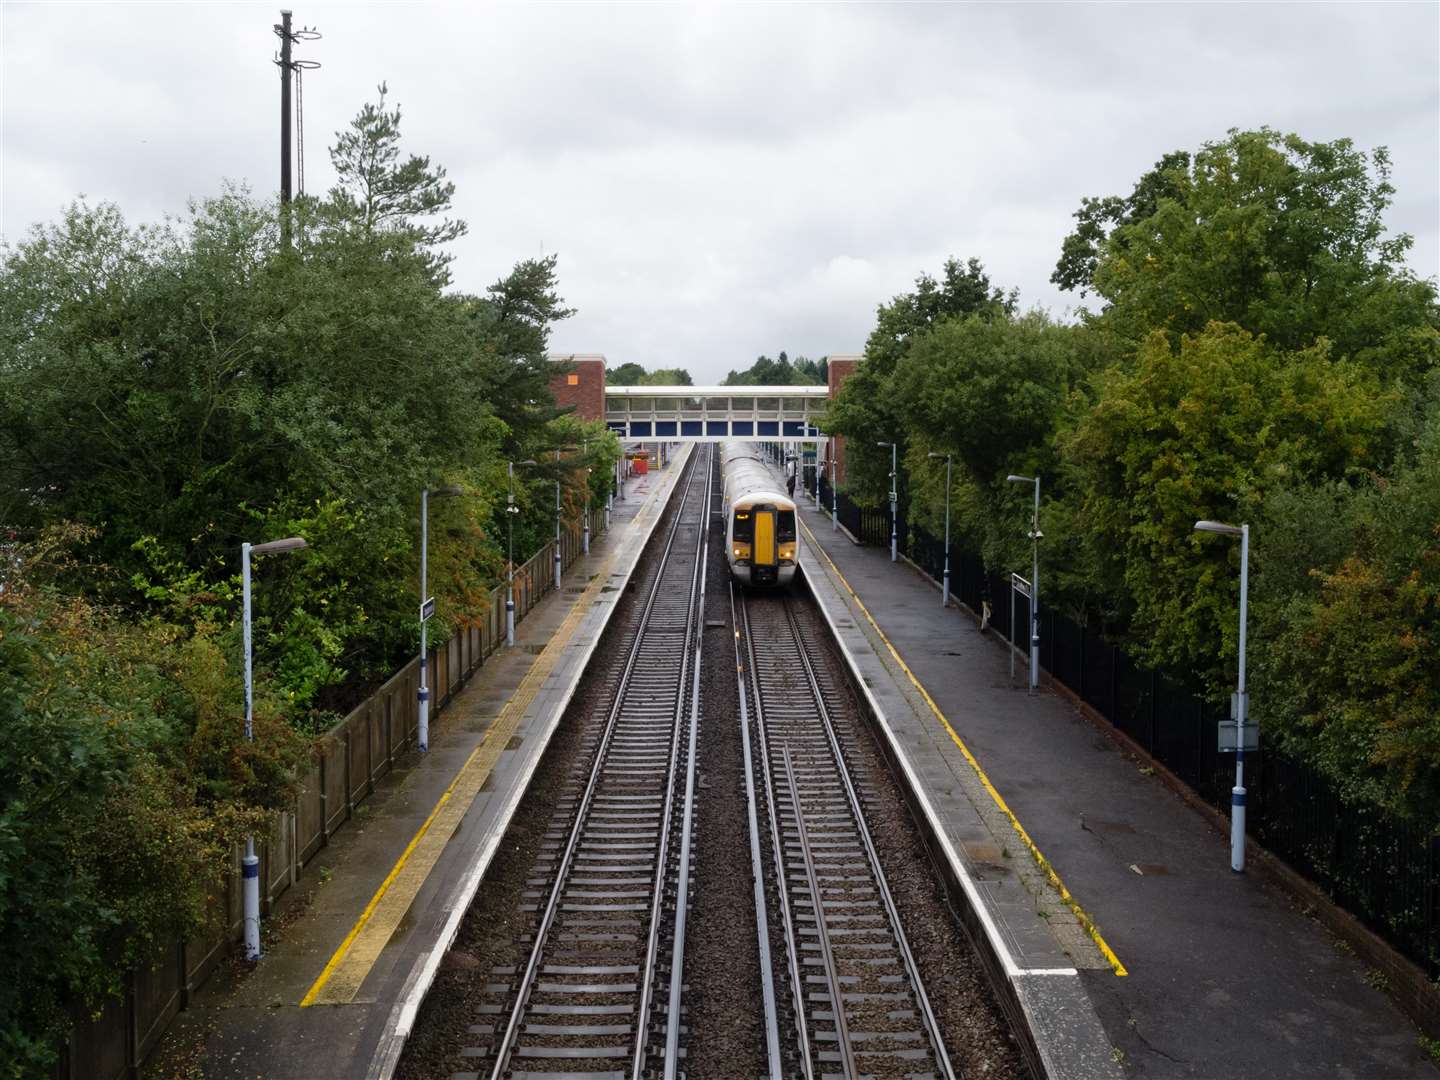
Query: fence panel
[{"x": 157, "y": 998}]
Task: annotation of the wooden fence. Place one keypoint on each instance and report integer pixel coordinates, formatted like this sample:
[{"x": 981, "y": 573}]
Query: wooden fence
[{"x": 350, "y": 759}]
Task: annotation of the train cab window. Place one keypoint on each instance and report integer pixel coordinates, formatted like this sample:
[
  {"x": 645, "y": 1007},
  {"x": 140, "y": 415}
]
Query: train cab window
[
  {"x": 744, "y": 526},
  {"x": 785, "y": 526}
]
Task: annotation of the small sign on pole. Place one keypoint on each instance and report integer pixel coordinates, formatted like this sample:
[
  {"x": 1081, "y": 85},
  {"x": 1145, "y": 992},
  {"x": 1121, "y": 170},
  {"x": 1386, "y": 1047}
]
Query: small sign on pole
[
  {"x": 427, "y": 609},
  {"x": 1229, "y": 743}
]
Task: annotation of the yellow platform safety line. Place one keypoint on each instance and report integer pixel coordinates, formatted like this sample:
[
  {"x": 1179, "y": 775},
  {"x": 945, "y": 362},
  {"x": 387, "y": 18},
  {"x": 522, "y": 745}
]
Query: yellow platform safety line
[
  {"x": 351, "y": 963},
  {"x": 1040, "y": 860}
]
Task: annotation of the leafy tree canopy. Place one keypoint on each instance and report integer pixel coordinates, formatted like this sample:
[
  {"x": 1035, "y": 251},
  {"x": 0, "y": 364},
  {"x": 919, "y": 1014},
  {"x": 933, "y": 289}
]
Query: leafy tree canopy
[
  {"x": 781, "y": 371},
  {"x": 1205, "y": 432},
  {"x": 1280, "y": 236},
  {"x": 375, "y": 190},
  {"x": 633, "y": 374},
  {"x": 866, "y": 409}
]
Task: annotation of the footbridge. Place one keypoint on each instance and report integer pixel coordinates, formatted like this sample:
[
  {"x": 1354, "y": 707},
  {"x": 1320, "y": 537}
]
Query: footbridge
[{"x": 712, "y": 413}]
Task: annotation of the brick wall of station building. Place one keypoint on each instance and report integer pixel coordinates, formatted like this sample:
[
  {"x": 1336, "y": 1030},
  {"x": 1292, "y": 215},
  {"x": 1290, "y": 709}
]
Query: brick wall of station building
[
  {"x": 840, "y": 368},
  {"x": 582, "y": 386}
]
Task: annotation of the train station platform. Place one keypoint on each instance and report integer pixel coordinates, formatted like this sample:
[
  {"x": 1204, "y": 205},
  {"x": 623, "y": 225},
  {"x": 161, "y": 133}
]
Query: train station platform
[
  {"x": 1084, "y": 860},
  {"x": 349, "y": 958}
]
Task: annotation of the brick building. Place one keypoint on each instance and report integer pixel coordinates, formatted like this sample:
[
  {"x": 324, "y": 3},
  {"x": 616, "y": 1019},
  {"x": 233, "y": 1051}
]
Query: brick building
[
  {"x": 840, "y": 368},
  {"x": 581, "y": 384}
]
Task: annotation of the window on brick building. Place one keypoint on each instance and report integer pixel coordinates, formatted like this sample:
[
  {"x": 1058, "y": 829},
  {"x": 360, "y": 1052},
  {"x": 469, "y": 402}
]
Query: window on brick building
[{"x": 572, "y": 380}]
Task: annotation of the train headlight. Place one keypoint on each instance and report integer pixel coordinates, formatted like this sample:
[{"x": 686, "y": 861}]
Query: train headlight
[
  {"x": 740, "y": 551},
  {"x": 787, "y": 552}
]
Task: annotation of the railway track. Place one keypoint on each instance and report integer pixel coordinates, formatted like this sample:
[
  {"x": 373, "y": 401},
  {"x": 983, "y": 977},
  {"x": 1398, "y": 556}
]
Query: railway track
[
  {"x": 848, "y": 1000},
  {"x": 599, "y": 993}
]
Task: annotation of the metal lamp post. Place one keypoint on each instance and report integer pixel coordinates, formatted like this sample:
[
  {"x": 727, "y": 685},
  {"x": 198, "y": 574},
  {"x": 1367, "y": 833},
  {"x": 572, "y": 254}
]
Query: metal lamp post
[
  {"x": 585, "y": 532},
  {"x": 510, "y": 511},
  {"x": 558, "y": 560},
  {"x": 427, "y": 608},
  {"x": 1035, "y": 537},
  {"x": 945, "y": 585},
  {"x": 818, "y": 473},
  {"x": 250, "y": 864},
  {"x": 834, "y": 490},
  {"x": 1240, "y": 706},
  {"x": 894, "y": 501}
]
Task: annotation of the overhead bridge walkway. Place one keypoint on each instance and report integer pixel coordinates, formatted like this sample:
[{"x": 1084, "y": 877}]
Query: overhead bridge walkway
[{"x": 712, "y": 413}]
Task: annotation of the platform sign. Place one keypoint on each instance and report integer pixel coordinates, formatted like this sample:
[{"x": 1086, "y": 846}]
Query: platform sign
[
  {"x": 427, "y": 609},
  {"x": 1228, "y": 740},
  {"x": 1020, "y": 585}
]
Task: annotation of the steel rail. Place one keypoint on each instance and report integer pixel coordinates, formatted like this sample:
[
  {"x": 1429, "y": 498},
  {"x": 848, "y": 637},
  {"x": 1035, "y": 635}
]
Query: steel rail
[
  {"x": 682, "y": 897},
  {"x": 507, "y": 1044},
  {"x": 927, "y": 1013},
  {"x": 751, "y": 685},
  {"x": 787, "y": 645},
  {"x": 757, "y": 868},
  {"x": 822, "y": 930}
]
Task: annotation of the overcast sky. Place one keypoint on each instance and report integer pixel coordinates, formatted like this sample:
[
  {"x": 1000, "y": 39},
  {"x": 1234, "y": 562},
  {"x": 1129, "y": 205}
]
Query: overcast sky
[{"x": 720, "y": 181}]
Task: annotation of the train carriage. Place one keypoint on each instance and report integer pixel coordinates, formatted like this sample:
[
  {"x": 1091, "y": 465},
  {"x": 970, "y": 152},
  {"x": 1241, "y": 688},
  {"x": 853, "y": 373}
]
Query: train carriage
[{"x": 760, "y": 520}]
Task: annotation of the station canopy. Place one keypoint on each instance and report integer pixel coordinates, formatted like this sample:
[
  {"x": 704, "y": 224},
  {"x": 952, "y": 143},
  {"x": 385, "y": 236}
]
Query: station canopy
[{"x": 712, "y": 413}]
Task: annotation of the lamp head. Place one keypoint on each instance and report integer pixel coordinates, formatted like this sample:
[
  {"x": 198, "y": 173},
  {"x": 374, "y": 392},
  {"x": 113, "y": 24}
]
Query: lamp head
[
  {"x": 449, "y": 491},
  {"x": 274, "y": 547},
  {"x": 884, "y": 444},
  {"x": 1217, "y": 527},
  {"x": 1017, "y": 479},
  {"x": 934, "y": 454}
]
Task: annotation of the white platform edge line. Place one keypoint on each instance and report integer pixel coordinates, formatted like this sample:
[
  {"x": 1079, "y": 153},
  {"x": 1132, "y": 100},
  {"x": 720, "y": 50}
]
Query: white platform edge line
[
  {"x": 1012, "y": 969},
  {"x": 402, "y": 1017}
]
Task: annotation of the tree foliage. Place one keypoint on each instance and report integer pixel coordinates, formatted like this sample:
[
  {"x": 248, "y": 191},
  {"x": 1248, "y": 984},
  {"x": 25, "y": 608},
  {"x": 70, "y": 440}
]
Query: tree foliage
[
  {"x": 866, "y": 409},
  {"x": 375, "y": 190},
  {"x": 1260, "y": 354},
  {"x": 633, "y": 374},
  {"x": 1283, "y": 237},
  {"x": 167, "y": 392},
  {"x": 781, "y": 371}
]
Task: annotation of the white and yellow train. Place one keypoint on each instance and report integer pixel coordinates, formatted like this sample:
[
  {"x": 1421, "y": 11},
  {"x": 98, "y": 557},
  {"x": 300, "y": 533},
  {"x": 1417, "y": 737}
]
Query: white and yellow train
[{"x": 760, "y": 526}]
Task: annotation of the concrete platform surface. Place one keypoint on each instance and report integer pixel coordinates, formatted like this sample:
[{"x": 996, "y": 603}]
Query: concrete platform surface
[
  {"x": 348, "y": 959},
  {"x": 1222, "y": 978}
]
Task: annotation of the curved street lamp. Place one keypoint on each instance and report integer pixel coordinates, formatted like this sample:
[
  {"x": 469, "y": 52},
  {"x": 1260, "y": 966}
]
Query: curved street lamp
[
  {"x": 894, "y": 500},
  {"x": 1035, "y": 537},
  {"x": 1240, "y": 705},
  {"x": 427, "y": 608},
  {"x": 510, "y": 511},
  {"x": 250, "y": 864},
  {"x": 945, "y": 585}
]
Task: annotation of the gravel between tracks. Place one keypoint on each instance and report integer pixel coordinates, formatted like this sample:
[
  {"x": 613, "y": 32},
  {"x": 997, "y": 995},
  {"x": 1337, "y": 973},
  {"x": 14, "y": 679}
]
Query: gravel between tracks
[{"x": 722, "y": 964}]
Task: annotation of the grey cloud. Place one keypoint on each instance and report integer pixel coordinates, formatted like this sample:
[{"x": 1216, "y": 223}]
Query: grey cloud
[{"x": 722, "y": 181}]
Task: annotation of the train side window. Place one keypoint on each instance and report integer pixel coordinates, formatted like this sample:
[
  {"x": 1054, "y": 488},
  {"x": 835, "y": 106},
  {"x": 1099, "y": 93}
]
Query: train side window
[
  {"x": 785, "y": 526},
  {"x": 744, "y": 526}
]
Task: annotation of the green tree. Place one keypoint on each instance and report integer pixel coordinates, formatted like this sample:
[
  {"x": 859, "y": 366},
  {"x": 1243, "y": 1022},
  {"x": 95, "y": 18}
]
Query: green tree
[
  {"x": 667, "y": 377},
  {"x": 376, "y": 190},
  {"x": 1280, "y": 236},
  {"x": 627, "y": 374},
  {"x": 865, "y": 410},
  {"x": 781, "y": 371},
  {"x": 1347, "y": 626},
  {"x": 1204, "y": 432}
]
